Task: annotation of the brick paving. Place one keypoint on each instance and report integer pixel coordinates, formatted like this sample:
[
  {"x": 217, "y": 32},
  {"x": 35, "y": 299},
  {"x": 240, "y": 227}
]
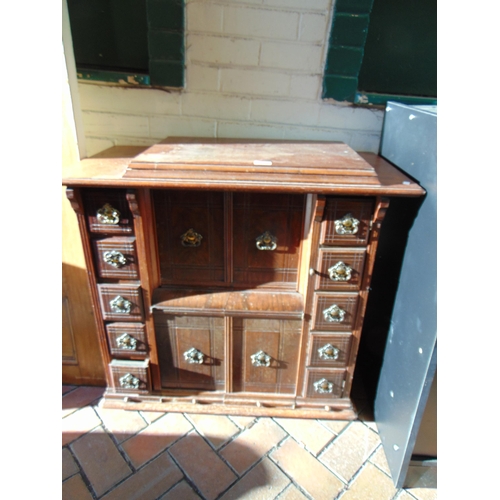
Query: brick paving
[{"x": 135, "y": 455}]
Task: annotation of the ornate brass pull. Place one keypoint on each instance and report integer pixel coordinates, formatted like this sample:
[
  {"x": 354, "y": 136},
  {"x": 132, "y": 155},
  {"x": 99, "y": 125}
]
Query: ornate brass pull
[
  {"x": 328, "y": 352},
  {"x": 334, "y": 314},
  {"x": 340, "y": 272},
  {"x": 128, "y": 381},
  {"x": 323, "y": 386},
  {"x": 194, "y": 356},
  {"x": 126, "y": 341},
  {"x": 347, "y": 225},
  {"x": 266, "y": 241},
  {"x": 108, "y": 215},
  {"x": 191, "y": 238},
  {"x": 120, "y": 305},
  {"x": 115, "y": 258},
  {"x": 260, "y": 359}
]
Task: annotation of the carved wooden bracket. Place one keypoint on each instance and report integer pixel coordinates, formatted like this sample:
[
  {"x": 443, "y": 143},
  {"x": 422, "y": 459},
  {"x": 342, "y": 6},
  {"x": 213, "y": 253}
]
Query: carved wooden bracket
[
  {"x": 132, "y": 202},
  {"x": 75, "y": 201}
]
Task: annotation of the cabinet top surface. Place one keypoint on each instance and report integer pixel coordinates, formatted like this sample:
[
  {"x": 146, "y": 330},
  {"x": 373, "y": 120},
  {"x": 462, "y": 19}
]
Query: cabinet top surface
[{"x": 246, "y": 165}]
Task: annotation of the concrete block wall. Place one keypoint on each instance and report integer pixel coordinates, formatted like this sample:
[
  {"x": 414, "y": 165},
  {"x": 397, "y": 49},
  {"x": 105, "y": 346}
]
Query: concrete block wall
[{"x": 254, "y": 69}]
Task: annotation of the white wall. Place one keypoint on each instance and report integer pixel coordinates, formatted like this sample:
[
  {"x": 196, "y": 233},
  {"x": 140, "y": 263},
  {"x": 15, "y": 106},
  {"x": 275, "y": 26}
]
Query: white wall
[{"x": 254, "y": 69}]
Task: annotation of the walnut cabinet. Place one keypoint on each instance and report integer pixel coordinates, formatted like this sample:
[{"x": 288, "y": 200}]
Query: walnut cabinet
[{"x": 232, "y": 276}]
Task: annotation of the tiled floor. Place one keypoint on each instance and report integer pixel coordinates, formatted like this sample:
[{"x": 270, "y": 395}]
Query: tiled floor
[{"x": 137, "y": 455}]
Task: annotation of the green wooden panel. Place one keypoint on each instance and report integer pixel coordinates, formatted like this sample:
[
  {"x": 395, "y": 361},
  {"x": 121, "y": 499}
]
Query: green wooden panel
[
  {"x": 109, "y": 34},
  {"x": 136, "y": 41},
  {"x": 400, "y": 51}
]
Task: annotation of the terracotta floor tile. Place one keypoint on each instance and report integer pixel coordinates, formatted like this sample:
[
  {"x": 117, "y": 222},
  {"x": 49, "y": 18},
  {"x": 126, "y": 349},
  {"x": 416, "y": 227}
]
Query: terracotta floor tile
[
  {"x": 150, "y": 482},
  {"x": 242, "y": 422},
  {"x": 292, "y": 493},
  {"x": 69, "y": 466},
  {"x": 122, "y": 424},
  {"x": 264, "y": 482},
  {"x": 155, "y": 438},
  {"x": 78, "y": 423},
  {"x": 379, "y": 459},
  {"x": 307, "y": 432},
  {"x": 67, "y": 388},
  {"x": 370, "y": 484},
  {"x": 151, "y": 416},
  {"x": 202, "y": 465},
  {"x": 423, "y": 493},
  {"x": 252, "y": 444},
  {"x": 336, "y": 426},
  {"x": 217, "y": 429},
  {"x": 100, "y": 460},
  {"x": 350, "y": 450},
  {"x": 312, "y": 476},
  {"x": 75, "y": 489},
  {"x": 80, "y": 397},
  {"x": 181, "y": 491}
]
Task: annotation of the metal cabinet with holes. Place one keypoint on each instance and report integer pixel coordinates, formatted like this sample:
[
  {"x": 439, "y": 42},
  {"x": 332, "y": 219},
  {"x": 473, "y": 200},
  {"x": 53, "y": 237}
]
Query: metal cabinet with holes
[{"x": 232, "y": 276}]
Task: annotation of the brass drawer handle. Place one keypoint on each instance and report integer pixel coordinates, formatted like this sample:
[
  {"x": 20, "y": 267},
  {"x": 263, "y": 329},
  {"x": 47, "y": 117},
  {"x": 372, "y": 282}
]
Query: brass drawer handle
[
  {"x": 347, "y": 225},
  {"x": 260, "y": 359},
  {"x": 115, "y": 258},
  {"x": 266, "y": 241},
  {"x": 340, "y": 272},
  {"x": 128, "y": 381},
  {"x": 323, "y": 386},
  {"x": 328, "y": 352},
  {"x": 126, "y": 341},
  {"x": 191, "y": 238},
  {"x": 194, "y": 356},
  {"x": 108, "y": 215},
  {"x": 334, "y": 314},
  {"x": 120, "y": 305}
]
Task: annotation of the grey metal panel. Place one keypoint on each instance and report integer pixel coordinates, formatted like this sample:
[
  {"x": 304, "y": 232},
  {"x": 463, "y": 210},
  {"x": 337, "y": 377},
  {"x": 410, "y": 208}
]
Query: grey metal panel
[{"x": 409, "y": 364}]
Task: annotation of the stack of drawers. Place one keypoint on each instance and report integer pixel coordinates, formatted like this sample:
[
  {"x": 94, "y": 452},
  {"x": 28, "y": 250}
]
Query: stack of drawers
[
  {"x": 112, "y": 240},
  {"x": 337, "y": 297}
]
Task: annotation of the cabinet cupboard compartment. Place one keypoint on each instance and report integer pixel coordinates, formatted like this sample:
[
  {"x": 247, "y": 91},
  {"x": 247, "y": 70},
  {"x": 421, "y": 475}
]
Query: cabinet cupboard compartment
[
  {"x": 107, "y": 211},
  {"x": 265, "y": 355},
  {"x": 267, "y": 230},
  {"x": 346, "y": 221},
  {"x": 121, "y": 302},
  {"x": 130, "y": 376},
  {"x": 190, "y": 351},
  {"x": 127, "y": 339},
  {"x": 340, "y": 270},
  {"x": 116, "y": 258},
  {"x": 190, "y": 236},
  {"x": 334, "y": 312},
  {"x": 329, "y": 351}
]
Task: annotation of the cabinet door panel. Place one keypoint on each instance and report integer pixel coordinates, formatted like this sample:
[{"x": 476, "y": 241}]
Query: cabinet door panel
[
  {"x": 279, "y": 216},
  {"x": 277, "y": 339},
  {"x": 198, "y": 257},
  {"x": 177, "y": 335}
]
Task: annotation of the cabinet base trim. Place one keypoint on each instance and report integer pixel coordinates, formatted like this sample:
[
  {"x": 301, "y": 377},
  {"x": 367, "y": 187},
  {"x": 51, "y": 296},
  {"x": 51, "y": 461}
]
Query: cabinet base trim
[{"x": 339, "y": 410}]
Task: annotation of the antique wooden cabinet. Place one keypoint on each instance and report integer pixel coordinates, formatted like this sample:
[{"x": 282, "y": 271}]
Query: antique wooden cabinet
[{"x": 232, "y": 276}]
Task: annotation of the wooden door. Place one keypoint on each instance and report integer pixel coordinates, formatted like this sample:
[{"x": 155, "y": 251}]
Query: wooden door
[
  {"x": 265, "y": 355},
  {"x": 81, "y": 358}
]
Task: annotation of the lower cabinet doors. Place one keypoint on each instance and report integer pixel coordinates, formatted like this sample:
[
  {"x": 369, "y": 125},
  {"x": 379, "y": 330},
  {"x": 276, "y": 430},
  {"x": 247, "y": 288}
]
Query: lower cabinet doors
[{"x": 263, "y": 353}]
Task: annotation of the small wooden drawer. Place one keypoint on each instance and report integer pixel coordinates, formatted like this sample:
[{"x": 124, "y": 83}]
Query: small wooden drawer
[
  {"x": 116, "y": 258},
  {"x": 130, "y": 376},
  {"x": 108, "y": 211},
  {"x": 334, "y": 312},
  {"x": 346, "y": 221},
  {"x": 339, "y": 269},
  {"x": 121, "y": 302},
  {"x": 324, "y": 384},
  {"x": 329, "y": 351},
  {"x": 127, "y": 339}
]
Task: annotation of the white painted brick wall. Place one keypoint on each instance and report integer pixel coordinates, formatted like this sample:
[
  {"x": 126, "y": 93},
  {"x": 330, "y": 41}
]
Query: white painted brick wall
[{"x": 254, "y": 68}]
